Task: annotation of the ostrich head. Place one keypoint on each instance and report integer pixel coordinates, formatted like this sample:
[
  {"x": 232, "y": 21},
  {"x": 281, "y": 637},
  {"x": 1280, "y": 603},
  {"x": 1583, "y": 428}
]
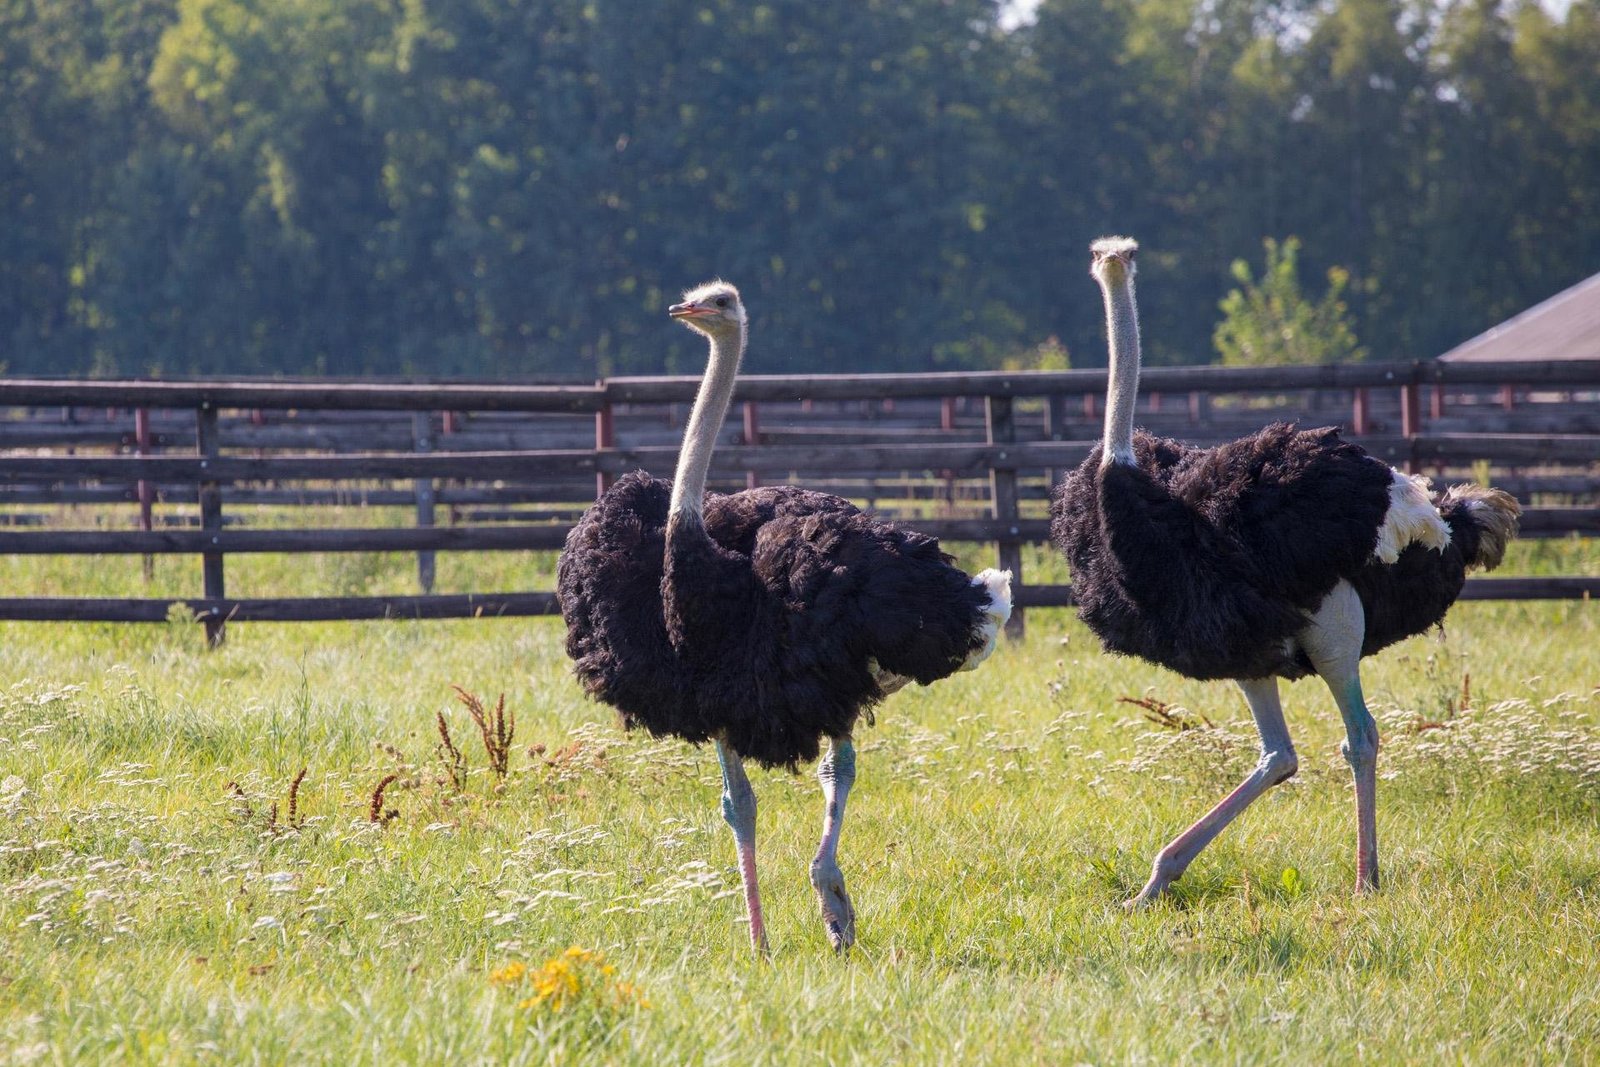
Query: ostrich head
[
  {"x": 713, "y": 309},
  {"x": 1113, "y": 259}
]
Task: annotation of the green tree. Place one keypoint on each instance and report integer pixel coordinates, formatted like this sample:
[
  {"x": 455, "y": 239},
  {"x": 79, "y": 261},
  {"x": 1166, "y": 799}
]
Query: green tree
[
  {"x": 1273, "y": 321},
  {"x": 495, "y": 188},
  {"x": 73, "y": 106},
  {"x": 281, "y": 188}
]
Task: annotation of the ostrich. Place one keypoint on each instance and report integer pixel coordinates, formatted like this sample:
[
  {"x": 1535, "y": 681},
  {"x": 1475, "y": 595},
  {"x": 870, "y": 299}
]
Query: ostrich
[
  {"x": 763, "y": 621},
  {"x": 1286, "y": 553}
]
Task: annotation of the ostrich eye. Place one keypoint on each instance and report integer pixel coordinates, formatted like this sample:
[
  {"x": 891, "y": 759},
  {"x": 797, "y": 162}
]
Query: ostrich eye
[{"x": 722, "y": 301}]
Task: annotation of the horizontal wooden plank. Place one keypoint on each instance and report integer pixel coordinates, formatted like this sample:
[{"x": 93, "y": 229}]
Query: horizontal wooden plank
[
  {"x": 1536, "y": 522},
  {"x": 562, "y": 397},
  {"x": 959, "y": 457},
  {"x": 316, "y": 468},
  {"x": 280, "y": 609},
  {"x": 1558, "y": 372},
  {"x": 1035, "y": 596},
  {"x": 1546, "y": 588},
  {"x": 1032, "y": 530},
  {"x": 227, "y": 541},
  {"x": 779, "y": 387},
  {"x": 443, "y": 396},
  {"x": 1477, "y": 588},
  {"x": 1558, "y": 522},
  {"x": 504, "y": 465},
  {"x": 488, "y": 605},
  {"x": 1507, "y": 448}
]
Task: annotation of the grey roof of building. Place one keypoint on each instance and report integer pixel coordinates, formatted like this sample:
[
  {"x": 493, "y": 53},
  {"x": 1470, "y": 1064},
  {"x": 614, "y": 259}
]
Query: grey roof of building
[{"x": 1566, "y": 326}]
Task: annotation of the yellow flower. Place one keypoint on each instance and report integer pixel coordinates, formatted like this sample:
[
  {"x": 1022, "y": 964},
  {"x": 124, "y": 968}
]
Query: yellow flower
[
  {"x": 510, "y": 974},
  {"x": 575, "y": 974}
]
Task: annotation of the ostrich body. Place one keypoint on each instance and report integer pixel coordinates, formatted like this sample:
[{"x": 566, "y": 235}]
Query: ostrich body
[
  {"x": 763, "y": 621},
  {"x": 1286, "y": 553}
]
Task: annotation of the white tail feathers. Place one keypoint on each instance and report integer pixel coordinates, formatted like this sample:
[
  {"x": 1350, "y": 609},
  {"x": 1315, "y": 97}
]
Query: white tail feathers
[
  {"x": 1411, "y": 519},
  {"x": 998, "y": 583},
  {"x": 1494, "y": 512}
]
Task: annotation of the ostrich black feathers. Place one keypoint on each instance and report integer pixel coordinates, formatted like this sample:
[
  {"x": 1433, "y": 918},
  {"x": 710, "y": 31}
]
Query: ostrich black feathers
[
  {"x": 1210, "y": 561},
  {"x": 769, "y": 635}
]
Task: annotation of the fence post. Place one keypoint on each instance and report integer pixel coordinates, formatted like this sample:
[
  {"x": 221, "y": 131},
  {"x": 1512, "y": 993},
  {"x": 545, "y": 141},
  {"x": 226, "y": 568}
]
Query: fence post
[
  {"x": 1055, "y": 417},
  {"x": 422, "y": 442},
  {"x": 209, "y": 446},
  {"x": 605, "y": 436},
  {"x": 1055, "y": 428},
  {"x": 1002, "y": 430},
  {"x": 752, "y": 436},
  {"x": 1411, "y": 422},
  {"x": 449, "y": 424},
  {"x": 1362, "y": 405},
  {"x": 141, "y": 439}
]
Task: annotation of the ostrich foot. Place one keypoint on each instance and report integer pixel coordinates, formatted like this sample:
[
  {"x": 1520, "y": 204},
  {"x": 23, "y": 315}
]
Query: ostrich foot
[
  {"x": 1367, "y": 880},
  {"x": 1278, "y": 763},
  {"x": 838, "y": 915},
  {"x": 758, "y": 941},
  {"x": 1142, "y": 900},
  {"x": 1156, "y": 888}
]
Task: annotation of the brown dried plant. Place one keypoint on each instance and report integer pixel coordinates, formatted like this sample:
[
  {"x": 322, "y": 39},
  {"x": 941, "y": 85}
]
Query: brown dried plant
[
  {"x": 1452, "y": 708},
  {"x": 455, "y": 763},
  {"x": 296, "y": 820},
  {"x": 271, "y": 825},
  {"x": 375, "y": 811},
  {"x": 1170, "y": 716},
  {"x": 243, "y": 810},
  {"x": 497, "y": 728}
]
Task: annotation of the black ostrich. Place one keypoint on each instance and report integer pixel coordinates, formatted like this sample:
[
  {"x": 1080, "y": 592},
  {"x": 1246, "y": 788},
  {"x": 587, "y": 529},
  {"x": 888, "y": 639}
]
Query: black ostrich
[
  {"x": 1287, "y": 553},
  {"x": 764, "y": 620}
]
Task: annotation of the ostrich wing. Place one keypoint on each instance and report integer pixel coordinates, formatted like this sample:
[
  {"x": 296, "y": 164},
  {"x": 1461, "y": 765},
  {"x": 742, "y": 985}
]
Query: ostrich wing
[
  {"x": 609, "y": 586},
  {"x": 854, "y": 590},
  {"x": 1302, "y": 507},
  {"x": 1209, "y": 561}
]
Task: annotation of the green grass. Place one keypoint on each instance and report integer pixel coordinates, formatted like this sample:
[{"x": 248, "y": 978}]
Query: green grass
[{"x": 150, "y": 913}]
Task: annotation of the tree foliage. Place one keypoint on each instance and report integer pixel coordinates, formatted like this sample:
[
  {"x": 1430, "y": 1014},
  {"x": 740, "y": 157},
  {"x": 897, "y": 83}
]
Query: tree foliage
[
  {"x": 1273, "y": 321},
  {"x": 518, "y": 187}
]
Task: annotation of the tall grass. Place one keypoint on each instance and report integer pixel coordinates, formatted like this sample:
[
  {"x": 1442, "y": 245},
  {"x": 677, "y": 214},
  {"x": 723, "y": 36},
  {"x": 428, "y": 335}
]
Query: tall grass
[{"x": 153, "y": 908}]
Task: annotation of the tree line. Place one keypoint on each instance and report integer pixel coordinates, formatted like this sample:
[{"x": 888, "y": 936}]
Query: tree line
[{"x": 518, "y": 187}]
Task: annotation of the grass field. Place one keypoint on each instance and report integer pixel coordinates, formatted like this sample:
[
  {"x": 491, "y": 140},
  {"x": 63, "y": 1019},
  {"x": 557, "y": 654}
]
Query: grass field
[{"x": 154, "y": 907}]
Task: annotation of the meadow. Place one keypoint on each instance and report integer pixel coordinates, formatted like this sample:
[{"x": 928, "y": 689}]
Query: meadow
[{"x": 173, "y": 890}]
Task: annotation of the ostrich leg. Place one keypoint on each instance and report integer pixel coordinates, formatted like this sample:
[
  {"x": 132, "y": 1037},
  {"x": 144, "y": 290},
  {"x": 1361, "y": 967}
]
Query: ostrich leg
[
  {"x": 1333, "y": 643},
  {"x": 739, "y": 809},
  {"x": 836, "y": 772},
  {"x": 1278, "y": 763}
]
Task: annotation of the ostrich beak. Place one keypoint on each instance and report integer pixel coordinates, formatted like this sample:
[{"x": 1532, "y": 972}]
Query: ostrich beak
[
  {"x": 1113, "y": 252},
  {"x": 687, "y": 310}
]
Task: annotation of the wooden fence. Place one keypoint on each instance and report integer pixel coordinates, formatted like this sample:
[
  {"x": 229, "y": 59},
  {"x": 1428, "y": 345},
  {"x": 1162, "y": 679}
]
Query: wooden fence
[{"x": 965, "y": 456}]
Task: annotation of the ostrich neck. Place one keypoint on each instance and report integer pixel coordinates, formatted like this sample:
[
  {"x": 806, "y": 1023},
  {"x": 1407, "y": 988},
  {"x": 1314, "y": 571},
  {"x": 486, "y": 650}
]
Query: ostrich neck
[
  {"x": 705, "y": 421},
  {"x": 1122, "y": 328}
]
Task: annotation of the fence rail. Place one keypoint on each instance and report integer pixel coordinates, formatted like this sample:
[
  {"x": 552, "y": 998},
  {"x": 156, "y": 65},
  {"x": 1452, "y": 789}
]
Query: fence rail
[{"x": 964, "y": 456}]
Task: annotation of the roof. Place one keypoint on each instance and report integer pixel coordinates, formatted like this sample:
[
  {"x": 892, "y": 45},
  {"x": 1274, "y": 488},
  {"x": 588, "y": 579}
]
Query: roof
[{"x": 1566, "y": 326}]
